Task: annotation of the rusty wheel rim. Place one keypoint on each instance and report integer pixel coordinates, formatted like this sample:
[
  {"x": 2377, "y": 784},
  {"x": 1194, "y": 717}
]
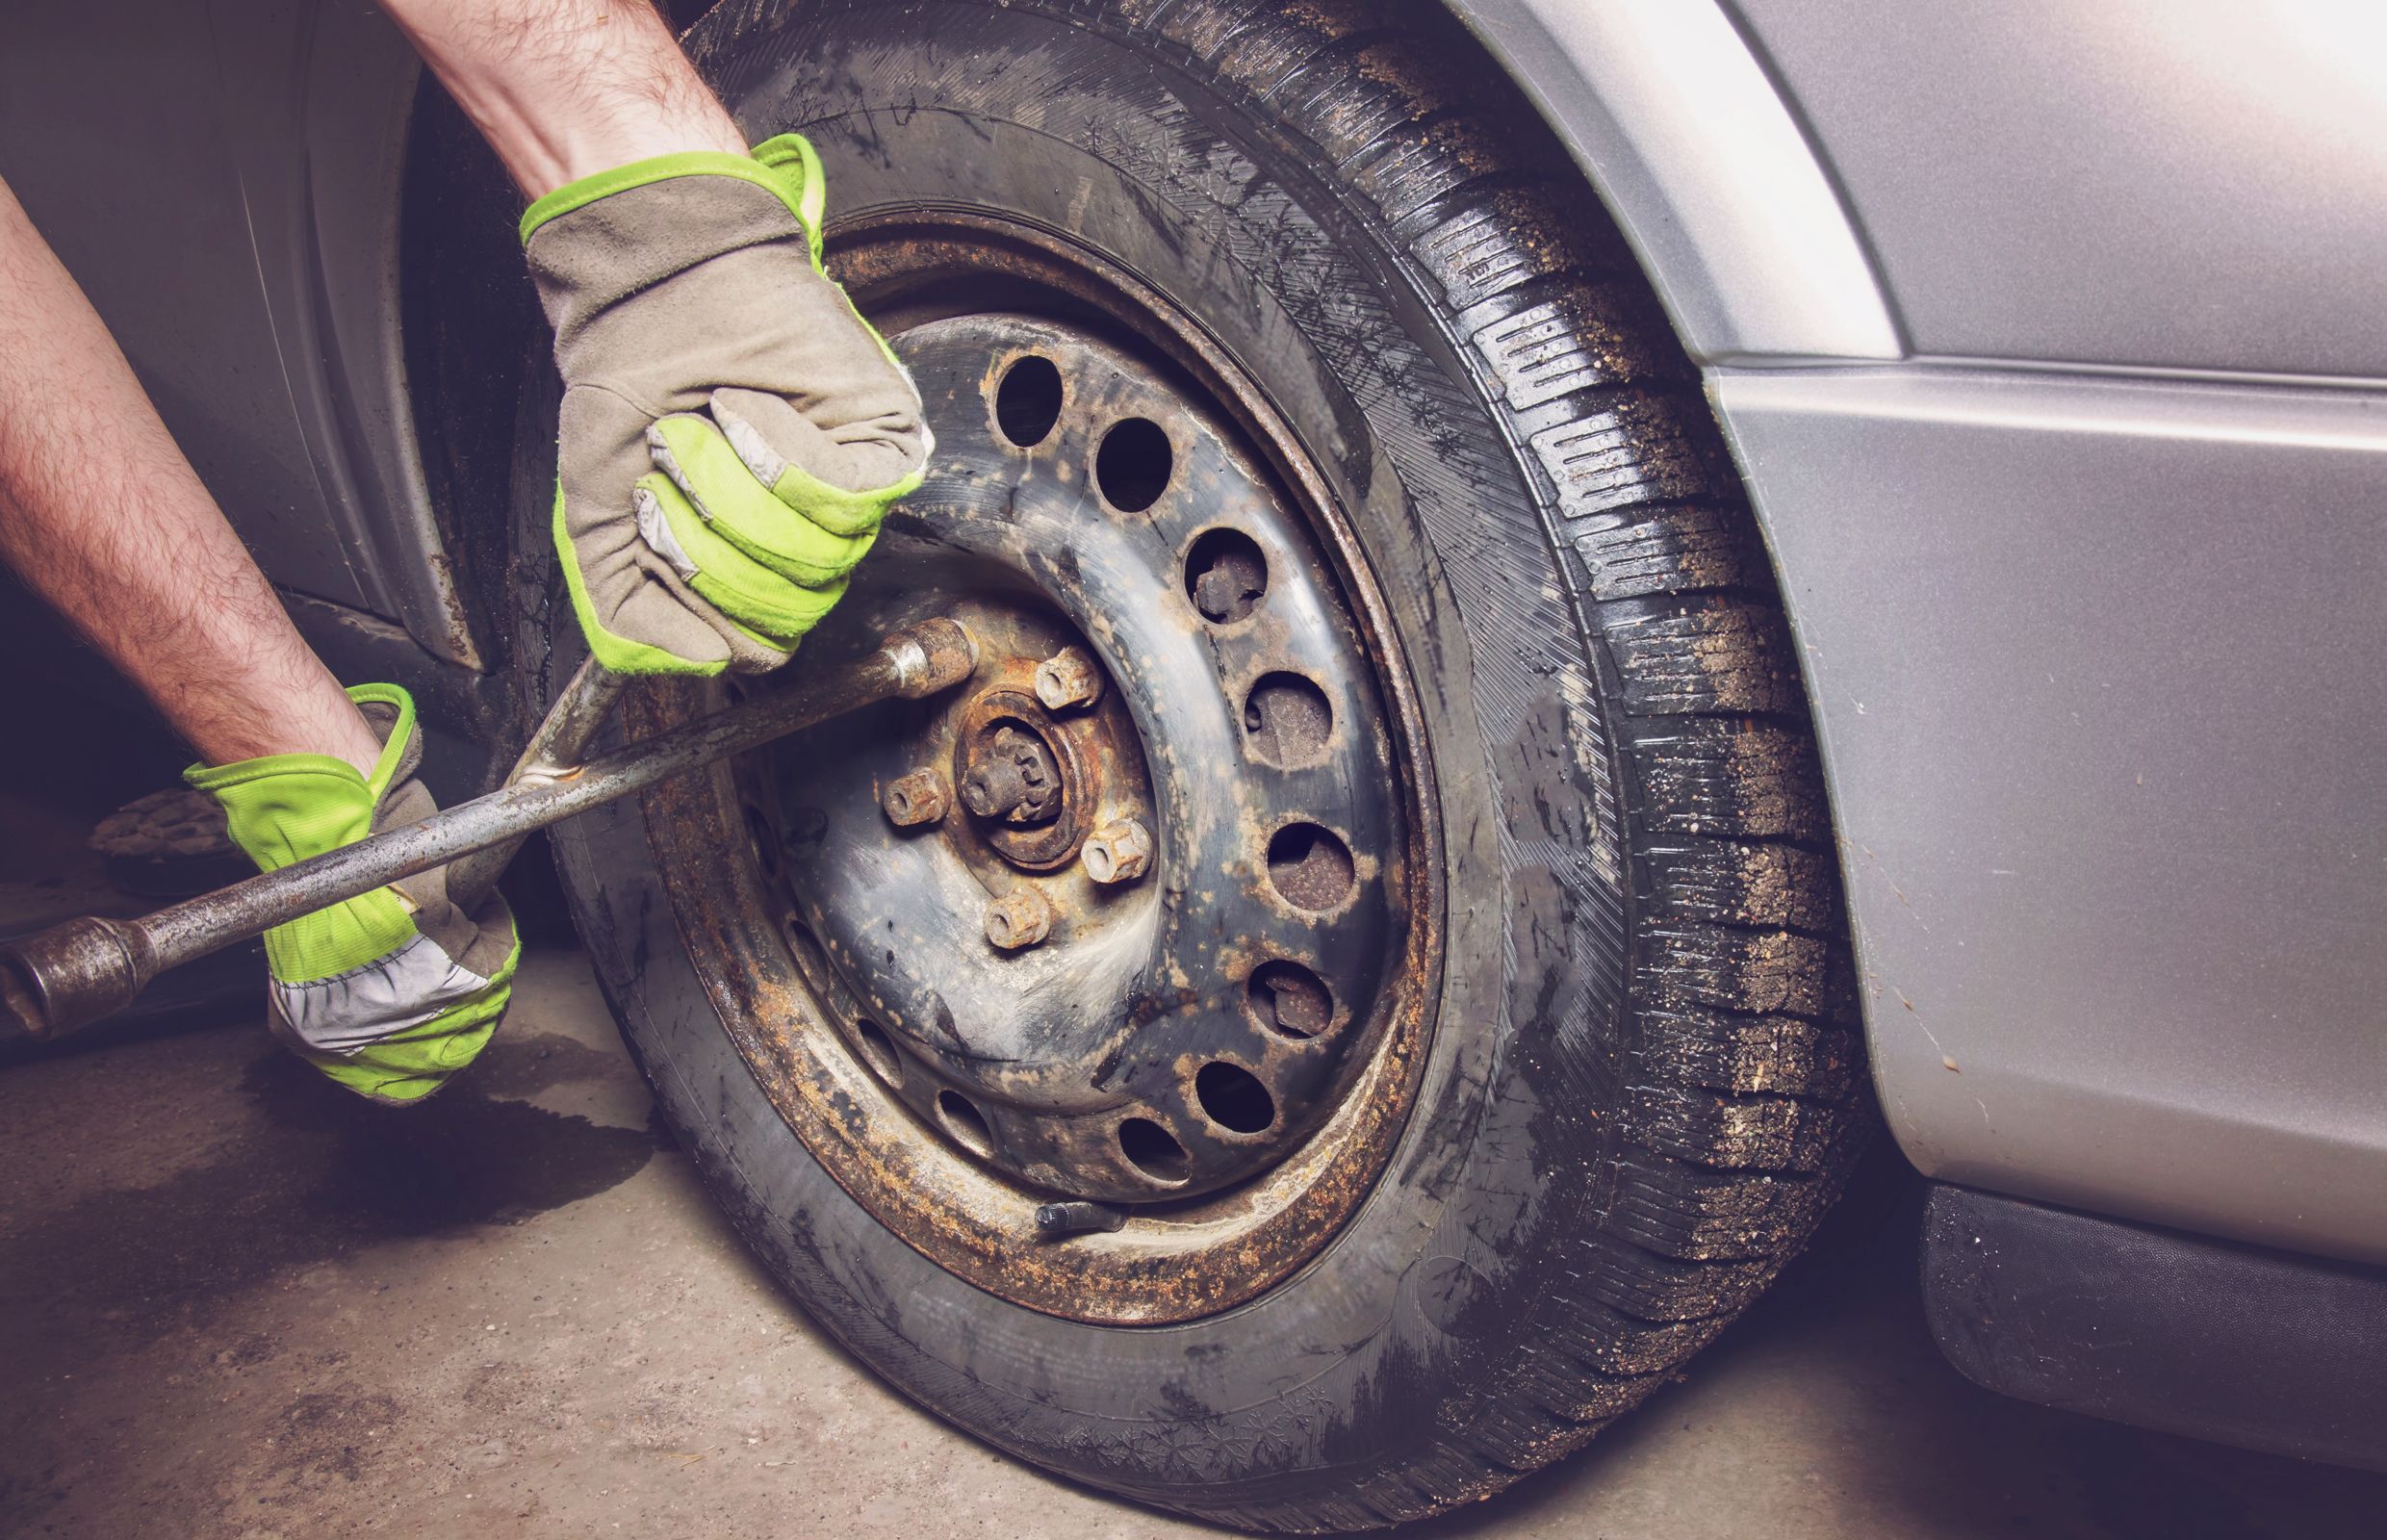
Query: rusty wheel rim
[{"x": 1231, "y": 1085}]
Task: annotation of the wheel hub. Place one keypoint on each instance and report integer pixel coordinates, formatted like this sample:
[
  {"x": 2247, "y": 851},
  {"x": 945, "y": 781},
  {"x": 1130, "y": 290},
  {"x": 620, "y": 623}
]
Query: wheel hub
[
  {"x": 1008, "y": 771},
  {"x": 1141, "y": 949},
  {"x": 1031, "y": 781}
]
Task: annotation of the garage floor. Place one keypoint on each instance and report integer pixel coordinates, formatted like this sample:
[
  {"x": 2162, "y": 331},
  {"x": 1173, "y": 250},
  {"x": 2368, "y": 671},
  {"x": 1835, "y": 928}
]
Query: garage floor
[{"x": 235, "y": 1303}]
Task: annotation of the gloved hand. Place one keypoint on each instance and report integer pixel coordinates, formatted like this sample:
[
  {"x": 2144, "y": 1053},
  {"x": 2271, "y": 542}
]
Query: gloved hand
[
  {"x": 732, "y": 430},
  {"x": 391, "y": 992}
]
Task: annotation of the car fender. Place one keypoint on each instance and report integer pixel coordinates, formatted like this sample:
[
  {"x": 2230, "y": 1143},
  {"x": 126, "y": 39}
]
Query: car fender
[{"x": 2079, "y": 539}]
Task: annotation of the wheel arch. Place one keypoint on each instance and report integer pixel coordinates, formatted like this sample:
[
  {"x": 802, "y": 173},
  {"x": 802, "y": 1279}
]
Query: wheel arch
[
  {"x": 1703, "y": 162},
  {"x": 315, "y": 118}
]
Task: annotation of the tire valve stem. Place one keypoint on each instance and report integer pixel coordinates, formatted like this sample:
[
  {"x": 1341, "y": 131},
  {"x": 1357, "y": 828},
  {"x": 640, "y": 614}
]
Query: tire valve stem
[{"x": 1057, "y": 1222}]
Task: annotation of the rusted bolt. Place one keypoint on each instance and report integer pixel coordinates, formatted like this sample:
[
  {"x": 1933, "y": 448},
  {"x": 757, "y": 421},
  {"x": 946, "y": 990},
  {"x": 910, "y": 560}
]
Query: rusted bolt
[
  {"x": 1118, "y": 851},
  {"x": 1019, "y": 918},
  {"x": 1066, "y": 679},
  {"x": 919, "y": 798}
]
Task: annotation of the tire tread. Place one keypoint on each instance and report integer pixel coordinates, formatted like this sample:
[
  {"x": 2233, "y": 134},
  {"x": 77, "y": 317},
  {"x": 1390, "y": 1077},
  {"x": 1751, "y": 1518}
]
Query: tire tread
[
  {"x": 1734, "y": 1099},
  {"x": 1745, "y": 1105}
]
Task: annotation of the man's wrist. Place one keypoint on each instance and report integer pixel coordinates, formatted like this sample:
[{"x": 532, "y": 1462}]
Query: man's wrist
[
  {"x": 564, "y": 89},
  {"x": 546, "y": 164}
]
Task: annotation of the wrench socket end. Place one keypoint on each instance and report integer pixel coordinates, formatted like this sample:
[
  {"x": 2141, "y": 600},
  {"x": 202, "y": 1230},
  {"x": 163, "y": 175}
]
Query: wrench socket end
[{"x": 70, "y": 975}]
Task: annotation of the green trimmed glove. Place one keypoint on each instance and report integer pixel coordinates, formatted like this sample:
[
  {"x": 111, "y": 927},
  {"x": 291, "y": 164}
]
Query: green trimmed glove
[
  {"x": 390, "y": 993},
  {"x": 732, "y": 430}
]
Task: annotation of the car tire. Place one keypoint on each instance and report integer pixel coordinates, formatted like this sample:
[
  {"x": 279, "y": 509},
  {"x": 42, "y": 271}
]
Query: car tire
[{"x": 1642, "y": 1079}]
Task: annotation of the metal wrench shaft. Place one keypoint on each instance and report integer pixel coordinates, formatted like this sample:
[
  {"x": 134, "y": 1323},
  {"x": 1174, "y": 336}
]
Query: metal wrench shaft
[
  {"x": 557, "y": 749},
  {"x": 85, "y": 970}
]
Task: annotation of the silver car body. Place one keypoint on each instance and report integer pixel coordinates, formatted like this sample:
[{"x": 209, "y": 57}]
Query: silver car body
[{"x": 2048, "y": 337}]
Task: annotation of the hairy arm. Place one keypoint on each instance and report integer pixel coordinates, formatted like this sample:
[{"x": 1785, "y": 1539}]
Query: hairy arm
[
  {"x": 102, "y": 516},
  {"x": 565, "y": 89}
]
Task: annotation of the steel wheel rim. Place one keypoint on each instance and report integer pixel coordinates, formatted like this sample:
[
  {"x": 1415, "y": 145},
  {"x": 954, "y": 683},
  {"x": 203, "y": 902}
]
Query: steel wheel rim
[{"x": 889, "y": 1134}]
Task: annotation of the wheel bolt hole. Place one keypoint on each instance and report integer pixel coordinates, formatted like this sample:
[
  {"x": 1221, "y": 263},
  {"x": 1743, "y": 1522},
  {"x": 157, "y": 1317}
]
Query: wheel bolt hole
[
  {"x": 767, "y": 841},
  {"x": 1311, "y": 867},
  {"x": 1225, "y": 576},
  {"x": 1134, "y": 465},
  {"x": 879, "y": 1050},
  {"x": 1290, "y": 1000},
  {"x": 1028, "y": 403},
  {"x": 1234, "y": 1099},
  {"x": 965, "y": 1123},
  {"x": 1287, "y": 720},
  {"x": 1154, "y": 1151}
]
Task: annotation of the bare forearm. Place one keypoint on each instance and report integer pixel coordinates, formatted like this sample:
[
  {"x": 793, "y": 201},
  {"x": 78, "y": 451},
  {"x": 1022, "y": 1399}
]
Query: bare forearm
[
  {"x": 565, "y": 89},
  {"x": 100, "y": 514}
]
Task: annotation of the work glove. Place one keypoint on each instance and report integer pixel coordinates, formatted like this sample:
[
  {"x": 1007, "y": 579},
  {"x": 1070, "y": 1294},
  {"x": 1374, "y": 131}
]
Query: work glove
[
  {"x": 732, "y": 430},
  {"x": 391, "y": 992}
]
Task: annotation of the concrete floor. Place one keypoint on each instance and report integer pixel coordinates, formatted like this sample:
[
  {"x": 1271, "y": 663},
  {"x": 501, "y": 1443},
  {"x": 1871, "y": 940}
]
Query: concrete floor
[{"x": 235, "y": 1303}]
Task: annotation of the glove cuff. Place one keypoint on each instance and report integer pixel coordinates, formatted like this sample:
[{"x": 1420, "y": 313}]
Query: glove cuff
[
  {"x": 786, "y": 165},
  {"x": 284, "y": 808}
]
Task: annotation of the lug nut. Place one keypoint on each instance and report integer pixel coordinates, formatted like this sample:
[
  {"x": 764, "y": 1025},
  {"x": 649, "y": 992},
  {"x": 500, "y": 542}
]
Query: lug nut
[
  {"x": 1066, "y": 679},
  {"x": 1019, "y": 918},
  {"x": 1118, "y": 851},
  {"x": 919, "y": 798}
]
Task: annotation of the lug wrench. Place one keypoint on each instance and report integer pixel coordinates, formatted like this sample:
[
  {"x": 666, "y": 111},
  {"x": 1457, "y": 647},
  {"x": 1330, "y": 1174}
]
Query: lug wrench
[{"x": 81, "y": 972}]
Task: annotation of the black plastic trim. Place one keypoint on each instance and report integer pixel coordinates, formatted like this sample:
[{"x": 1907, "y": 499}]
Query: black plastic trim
[{"x": 2179, "y": 1332}]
